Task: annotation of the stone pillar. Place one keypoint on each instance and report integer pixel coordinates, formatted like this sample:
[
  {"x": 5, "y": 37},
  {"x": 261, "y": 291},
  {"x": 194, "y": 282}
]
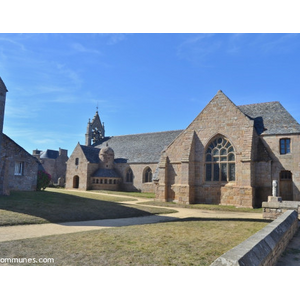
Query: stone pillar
[{"x": 161, "y": 180}]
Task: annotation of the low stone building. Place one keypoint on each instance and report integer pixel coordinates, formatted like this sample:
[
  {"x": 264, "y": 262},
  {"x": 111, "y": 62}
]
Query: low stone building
[
  {"x": 54, "y": 163},
  {"x": 228, "y": 155},
  {"x": 18, "y": 169}
]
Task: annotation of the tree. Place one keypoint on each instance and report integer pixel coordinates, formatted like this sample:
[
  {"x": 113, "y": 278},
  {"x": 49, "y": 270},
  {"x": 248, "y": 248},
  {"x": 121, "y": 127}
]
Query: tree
[{"x": 43, "y": 180}]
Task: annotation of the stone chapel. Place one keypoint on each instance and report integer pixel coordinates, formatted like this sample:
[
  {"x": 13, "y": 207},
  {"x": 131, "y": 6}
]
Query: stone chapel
[{"x": 228, "y": 155}]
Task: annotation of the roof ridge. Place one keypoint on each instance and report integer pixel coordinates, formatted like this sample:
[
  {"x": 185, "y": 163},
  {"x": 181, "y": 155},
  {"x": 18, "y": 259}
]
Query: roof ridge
[{"x": 145, "y": 133}]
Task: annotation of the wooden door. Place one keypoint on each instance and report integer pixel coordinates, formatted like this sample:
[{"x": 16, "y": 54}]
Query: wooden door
[{"x": 286, "y": 185}]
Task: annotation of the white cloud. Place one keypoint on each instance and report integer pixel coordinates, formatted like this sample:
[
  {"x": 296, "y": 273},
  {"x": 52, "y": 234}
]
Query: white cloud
[
  {"x": 80, "y": 48},
  {"x": 197, "y": 47},
  {"x": 277, "y": 43},
  {"x": 114, "y": 38}
]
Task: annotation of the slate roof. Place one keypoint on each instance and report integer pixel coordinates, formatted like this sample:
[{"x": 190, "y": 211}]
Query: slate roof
[
  {"x": 106, "y": 173},
  {"x": 271, "y": 118},
  {"x": 140, "y": 148},
  {"x": 52, "y": 154},
  {"x": 91, "y": 153}
]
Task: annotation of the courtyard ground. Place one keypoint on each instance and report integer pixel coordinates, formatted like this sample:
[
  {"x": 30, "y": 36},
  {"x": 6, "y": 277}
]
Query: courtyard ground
[{"x": 184, "y": 236}]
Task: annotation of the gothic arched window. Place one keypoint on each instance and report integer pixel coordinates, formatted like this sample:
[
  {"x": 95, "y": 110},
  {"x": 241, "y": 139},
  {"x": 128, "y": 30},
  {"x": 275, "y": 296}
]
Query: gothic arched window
[
  {"x": 148, "y": 175},
  {"x": 129, "y": 175},
  {"x": 220, "y": 161}
]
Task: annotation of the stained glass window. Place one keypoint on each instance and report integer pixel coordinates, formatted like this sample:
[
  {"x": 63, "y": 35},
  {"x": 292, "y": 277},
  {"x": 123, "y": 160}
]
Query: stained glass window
[
  {"x": 220, "y": 161},
  {"x": 148, "y": 175}
]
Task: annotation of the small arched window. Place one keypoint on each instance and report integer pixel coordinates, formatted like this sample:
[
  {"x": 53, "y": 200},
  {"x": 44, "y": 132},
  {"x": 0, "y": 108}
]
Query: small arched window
[
  {"x": 148, "y": 175},
  {"x": 220, "y": 161},
  {"x": 129, "y": 175},
  {"x": 76, "y": 161}
]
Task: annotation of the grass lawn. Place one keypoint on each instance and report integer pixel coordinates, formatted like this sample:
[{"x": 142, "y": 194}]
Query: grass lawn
[
  {"x": 180, "y": 243},
  {"x": 204, "y": 206},
  {"x": 59, "y": 205},
  {"x": 131, "y": 194}
]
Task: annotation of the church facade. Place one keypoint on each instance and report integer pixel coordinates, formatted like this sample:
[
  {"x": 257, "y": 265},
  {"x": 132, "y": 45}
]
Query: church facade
[{"x": 228, "y": 155}]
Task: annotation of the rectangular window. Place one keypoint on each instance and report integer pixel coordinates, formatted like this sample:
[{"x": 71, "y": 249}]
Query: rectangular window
[
  {"x": 19, "y": 168},
  {"x": 285, "y": 146}
]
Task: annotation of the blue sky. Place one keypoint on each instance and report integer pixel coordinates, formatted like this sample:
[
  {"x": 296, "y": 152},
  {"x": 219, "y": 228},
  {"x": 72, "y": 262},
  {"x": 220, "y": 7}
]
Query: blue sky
[{"x": 140, "y": 82}]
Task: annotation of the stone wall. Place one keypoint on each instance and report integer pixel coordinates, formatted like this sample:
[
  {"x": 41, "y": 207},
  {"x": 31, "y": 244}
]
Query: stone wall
[
  {"x": 138, "y": 173},
  {"x": 272, "y": 210},
  {"x": 79, "y": 169},
  {"x": 3, "y": 171},
  {"x": 13, "y": 154},
  {"x": 184, "y": 174},
  {"x": 84, "y": 170},
  {"x": 290, "y": 162},
  {"x": 265, "y": 247}
]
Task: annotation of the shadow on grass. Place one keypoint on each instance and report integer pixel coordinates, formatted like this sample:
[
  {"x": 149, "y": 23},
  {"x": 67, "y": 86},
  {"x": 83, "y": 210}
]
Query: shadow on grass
[
  {"x": 121, "y": 222},
  {"x": 189, "y": 219},
  {"x": 53, "y": 207},
  {"x": 152, "y": 220}
]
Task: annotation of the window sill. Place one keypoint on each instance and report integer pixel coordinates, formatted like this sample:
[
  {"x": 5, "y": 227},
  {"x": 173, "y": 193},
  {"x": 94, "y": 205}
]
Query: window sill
[{"x": 220, "y": 183}]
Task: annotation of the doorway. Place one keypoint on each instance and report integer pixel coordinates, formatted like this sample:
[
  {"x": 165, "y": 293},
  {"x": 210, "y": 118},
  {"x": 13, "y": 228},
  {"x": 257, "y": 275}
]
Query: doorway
[
  {"x": 76, "y": 182},
  {"x": 286, "y": 185}
]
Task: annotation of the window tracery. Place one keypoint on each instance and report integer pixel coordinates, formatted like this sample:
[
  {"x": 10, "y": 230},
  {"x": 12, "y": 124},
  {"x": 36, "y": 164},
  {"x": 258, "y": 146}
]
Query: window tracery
[
  {"x": 148, "y": 175},
  {"x": 220, "y": 161}
]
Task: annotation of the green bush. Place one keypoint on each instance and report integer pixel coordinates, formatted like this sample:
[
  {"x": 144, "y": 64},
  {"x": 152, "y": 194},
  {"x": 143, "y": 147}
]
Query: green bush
[{"x": 43, "y": 180}]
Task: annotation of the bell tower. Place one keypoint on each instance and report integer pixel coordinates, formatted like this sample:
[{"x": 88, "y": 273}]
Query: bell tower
[{"x": 95, "y": 131}]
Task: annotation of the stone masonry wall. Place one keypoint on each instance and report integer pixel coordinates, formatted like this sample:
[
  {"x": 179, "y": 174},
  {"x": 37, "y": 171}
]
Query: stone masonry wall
[
  {"x": 280, "y": 162},
  {"x": 79, "y": 170},
  {"x": 220, "y": 117},
  {"x": 265, "y": 247},
  {"x": 13, "y": 153},
  {"x": 3, "y": 189},
  {"x": 138, "y": 172}
]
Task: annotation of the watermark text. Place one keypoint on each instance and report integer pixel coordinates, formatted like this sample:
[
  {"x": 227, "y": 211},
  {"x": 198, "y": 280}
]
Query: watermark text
[{"x": 23, "y": 260}]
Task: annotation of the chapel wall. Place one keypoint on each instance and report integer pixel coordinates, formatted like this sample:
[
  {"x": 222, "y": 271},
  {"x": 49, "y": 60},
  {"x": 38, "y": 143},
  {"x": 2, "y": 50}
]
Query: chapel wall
[
  {"x": 280, "y": 162},
  {"x": 27, "y": 180},
  {"x": 74, "y": 169},
  {"x": 138, "y": 172},
  {"x": 220, "y": 117}
]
